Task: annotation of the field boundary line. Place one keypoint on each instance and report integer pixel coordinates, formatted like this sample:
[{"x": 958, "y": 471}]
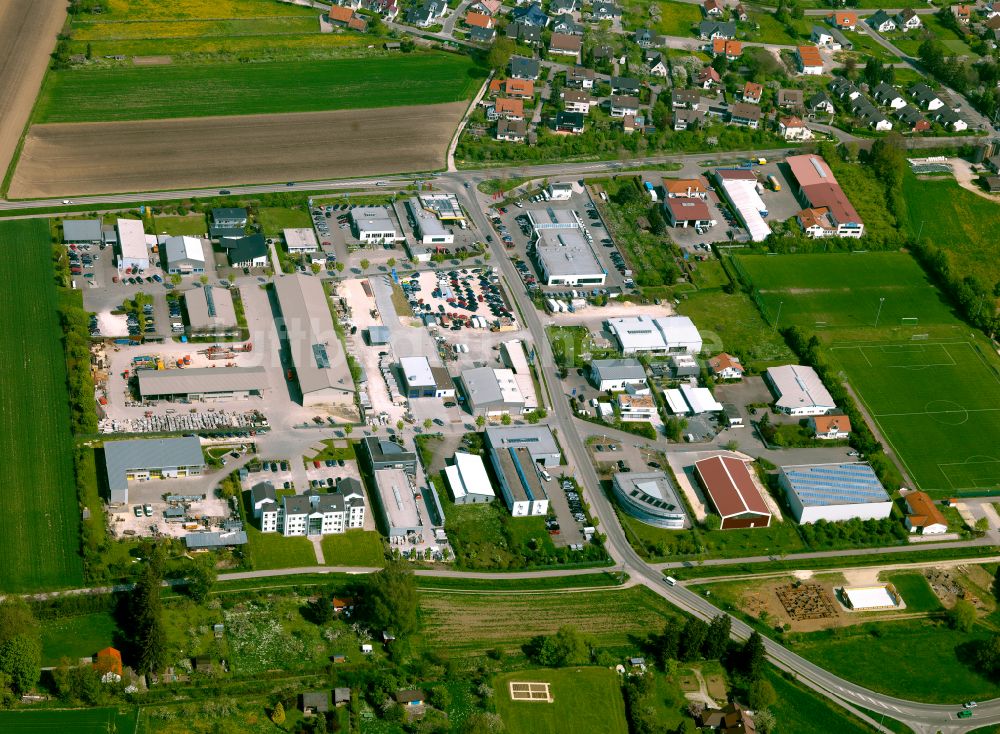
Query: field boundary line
[{"x": 879, "y": 431}]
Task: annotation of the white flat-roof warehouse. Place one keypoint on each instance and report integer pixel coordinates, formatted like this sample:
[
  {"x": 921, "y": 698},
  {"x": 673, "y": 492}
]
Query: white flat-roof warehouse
[
  {"x": 204, "y": 383},
  {"x": 834, "y": 492},
  {"x": 132, "y": 249},
  {"x": 320, "y": 364},
  {"x": 426, "y": 226},
  {"x": 799, "y": 390},
  {"x": 566, "y": 258},
  {"x": 740, "y": 188},
  {"x": 301, "y": 239},
  {"x": 637, "y": 334}
]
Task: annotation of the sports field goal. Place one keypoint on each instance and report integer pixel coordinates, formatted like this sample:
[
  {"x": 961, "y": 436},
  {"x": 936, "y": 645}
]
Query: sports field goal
[
  {"x": 909, "y": 320},
  {"x": 820, "y": 325},
  {"x": 919, "y": 337}
]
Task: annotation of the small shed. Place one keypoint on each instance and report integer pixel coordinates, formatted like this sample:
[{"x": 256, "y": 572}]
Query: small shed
[
  {"x": 203, "y": 664},
  {"x": 314, "y": 702},
  {"x": 339, "y": 658},
  {"x": 410, "y": 698},
  {"x": 993, "y": 184},
  {"x": 341, "y": 696},
  {"x": 366, "y": 648}
]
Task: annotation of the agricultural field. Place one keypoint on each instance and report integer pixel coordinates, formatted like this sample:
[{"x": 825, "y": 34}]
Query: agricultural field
[
  {"x": 77, "y": 159},
  {"x": 79, "y": 721},
  {"x": 463, "y": 624},
  {"x": 40, "y": 530},
  {"x": 583, "y": 699},
  {"x": 170, "y": 91},
  {"x": 119, "y": 10},
  {"x": 28, "y": 32}
]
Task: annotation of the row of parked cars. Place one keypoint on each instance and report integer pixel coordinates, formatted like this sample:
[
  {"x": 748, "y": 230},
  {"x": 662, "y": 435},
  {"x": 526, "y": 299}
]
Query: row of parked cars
[
  {"x": 80, "y": 259},
  {"x": 574, "y": 501}
]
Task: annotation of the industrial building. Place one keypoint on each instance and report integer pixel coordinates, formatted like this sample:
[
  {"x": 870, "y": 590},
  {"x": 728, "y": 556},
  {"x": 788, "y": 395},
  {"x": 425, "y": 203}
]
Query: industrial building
[
  {"x": 741, "y": 189},
  {"x": 494, "y": 392},
  {"x": 648, "y": 335},
  {"x": 133, "y": 252},
  {"x": 373, "y": 224},
  {"x": 731, "y": 487},
  {"x": 870, "y": 598},
  {"x": 427, "y": 228},
  {"x": 553, "y": 219},
  {"x": 565, "y": 257},
  {"x": 210, "y": 310},
  {"x": 320, "y": 364},
  {"x": 817, "y": 188},
  {"x": 407, "y": 513},
  {"x": 384, "y": 454},
  {"x": 218, "y": 539},
  {"x": 517, "y": 454},
  {"x": 185, "y": 255},
  {"x": 149, "y": 458},
  {"x": 82, "y": 232},
  {"x": 203, "y": 383},
  {"x": 650, "y": 497},
  {"x": 468, "y": 480},
  {"x": 300, "y": 239},
  {"x": 616, "y": 374},
  {"x": 420, "y": 379},
  {"x": 834, "y": 492},
  {"x": 444, "y": 205},
  {"x": 798, "y": 390},
  {"x": 697, "y": 399}
]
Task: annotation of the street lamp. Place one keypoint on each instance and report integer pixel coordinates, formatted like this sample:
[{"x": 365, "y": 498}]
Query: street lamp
[{"x": 878, "y": 314}]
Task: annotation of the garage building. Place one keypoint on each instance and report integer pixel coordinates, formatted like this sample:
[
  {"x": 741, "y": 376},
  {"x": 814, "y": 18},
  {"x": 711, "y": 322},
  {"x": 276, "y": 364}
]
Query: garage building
[
  {"x": 148, "y": 458},
  {"x": 732, "y": 490},
  {"x": 210, "y": 310},
  {"x": 132, "y": 250},
  {"x": 82, "y": 232},
  {"x": 834, "y": 492},
  {"x": 468, "y": 480},
  {"x": 203, "y": 383}
]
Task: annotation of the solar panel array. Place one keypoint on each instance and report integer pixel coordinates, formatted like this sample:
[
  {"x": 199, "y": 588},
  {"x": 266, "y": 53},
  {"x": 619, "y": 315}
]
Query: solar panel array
[{"x": 835, "y": 484}]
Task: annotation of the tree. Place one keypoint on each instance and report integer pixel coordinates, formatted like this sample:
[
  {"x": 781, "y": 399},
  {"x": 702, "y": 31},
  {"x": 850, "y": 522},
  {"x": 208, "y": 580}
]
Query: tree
[
  {"x": 500, "y": 52},
  {"x": 988, "y": 656},
  {"x": 440, "y": 697},
  {"x": 201, "y": 579},
  {"x": 391, "y": 262},
  {"x": 761, "y": 694},
  {"x": 565, "y": 647},
  {"x": 717, "y": 639},
  {"x": 962, "y": 616},
  {"x": 348, "y": 429},
  {"x": 996, "y": 584},
  {"x": 480, "y": 421},
  {"x": 483, "y": 723},
  {"x": 149, "y": 637},
  {"x": 278, "y": 715},
  {"x": 764, "y": 722},
  {"x": 20, "y": 646},
  {"x": 506, "y": 419},
  {"x": 389, "y": 601},
  {"x": 692, "y": 638},
  {"x": 428, "y": 423},
  {"x": 365, "y": 263},
  {"x": 753, "y": 657},
  {"x": 667, "y": 644}
]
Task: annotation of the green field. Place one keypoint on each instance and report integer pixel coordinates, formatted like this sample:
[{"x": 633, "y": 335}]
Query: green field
[
  {"x": 354, "y": 548},
  {"x": 39, "y": 531},
  {"x": 78, "y": 721},
  {"x": 274, "y": 219},
  {"x": 154, "y": 92},
  {"x": 193, "y": 225},
  {"x": 916, "y": 592},
  {"x": 800, "y": 711},
  {"x": 76, "y": 637},
  {"x": 731, "y": 322},
  {"x": 583, "y": 700},
  {"x": 273, "y": 550}
]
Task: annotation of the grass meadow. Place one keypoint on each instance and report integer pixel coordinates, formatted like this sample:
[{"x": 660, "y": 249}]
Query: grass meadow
[
  {"x": 79, "y": 721},
  {"x": 916, "y": 592},
  {"x": 583, "y": 699},
  {"x": 158, "y": 92},
  {"x": 39, "y": 529},
  {"x": 76, "y": 637},
  {"x": 188, "y": 9},
  {"x": 354, "y": 548}
]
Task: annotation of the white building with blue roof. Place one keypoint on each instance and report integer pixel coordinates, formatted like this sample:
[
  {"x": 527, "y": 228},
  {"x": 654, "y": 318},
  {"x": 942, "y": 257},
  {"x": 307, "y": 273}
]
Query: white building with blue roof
[{"x": 834, "y": 492}]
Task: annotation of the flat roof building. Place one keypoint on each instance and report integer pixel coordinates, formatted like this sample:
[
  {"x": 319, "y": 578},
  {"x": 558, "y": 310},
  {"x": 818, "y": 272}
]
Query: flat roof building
[
  {"x": 645, "y": 334},
  {"x": 468, "y": 480},
  {"x": 185, "y": 255},
  {"x": 300, "y": 239},
  {"x": 834, "y": 492},
  {"x": 650, "y": 497},
  {"x": 799, "y": 390},
  {"x": 320, "y": 364},
  {"x": 427, "y": 228},
  {"x": 538, "y": 439},
  {"x": 741, "y": 189},
  {"x": 404, "y": 511},
  {"x": 419, "y": 380},
  {"x": 210, "y": 310},
  {"x": 616, "y": 374},
  {"x": 132, "y": 249},
  {"x": 203, "y": 383},
  {"x": 494, "y": 392},
  {"x": 445, "y": 205},
  {"x": 218, "y": 539},
  {"x": 565, "y": 257},
  {"x": 385, "y": 454},
  {"x": 82, "y": 232},
  {"x": 520, "y": 481},
  {"x": 148, "y": 458},
  {"x": 552, "y": 218},
  {"x": 374, "y": 224},
  {"x": 733, "y": 492},
  {"x": 870, "y": 598}
]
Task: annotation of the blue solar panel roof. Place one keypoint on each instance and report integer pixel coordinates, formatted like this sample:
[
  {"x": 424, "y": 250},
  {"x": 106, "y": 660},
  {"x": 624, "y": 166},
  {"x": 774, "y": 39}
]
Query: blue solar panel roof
[{"x": 835, "y": 484}]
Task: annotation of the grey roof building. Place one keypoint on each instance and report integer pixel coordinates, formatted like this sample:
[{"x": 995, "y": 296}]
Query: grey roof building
[
  {"x": 650, "y": 497},
  {"x": 615, "y": 374},
  {"x": 523, "y": 68},
  {"x": 225, "y": 539},
  {"x": 384, "y": 454},
  {"x": 146, "y": 458},
  {"x": 82, "y": 231},
  {"x": 492, "y": 391},
  {"x": 210, "y": 310},
  {"x": 479, "y": 35},
  {"x": 539, "y": 441},
  {"x": 227, "y": 222},
  {"x": 567, "y": 258},
  {"x": 624, "y": 85},
  {"x": 378, "y": 335},
  {"x": 204, "y": 383}
]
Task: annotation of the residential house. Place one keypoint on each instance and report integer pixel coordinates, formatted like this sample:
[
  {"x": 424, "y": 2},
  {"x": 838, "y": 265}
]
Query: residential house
[
  {"x": 645, "y": 38},
  {"x": 624, "y": 85},
  {"x": 250, "y": 251},
  {"x": 726, "y": 367},
  {"x": 658, "y": 66},
  {"x": 732, "y": 50},
  {"x": 486, "y": 7},
  {"x": 566, "y": 23},
  {"x": 559, "y": 7},
  {"x": 819, "y": 103},
  {"x": 532, "y": 15},
  {"x": 630, "y": 124},
  {"x": 634, "y": 408},
  {"x": 870, "y": 115},
  {"x": 752, "y": 92},
  {"x": 227, "y": 222},
  {"x": 684, "y": 188},
  {"x": 570, "y": 122},
  {"x": 510, "y": 109},
  {"x": 576, "y": 100},
  {"x": 314, "y": 702},
  {"x": 605, "y": 10},
  {"x": 709, "y": 30},
  {"x": 824, "y": 37},
  {"x": 687, "y": 212},
  {"x": 830, "y": 427},
  {"x": 580, "y": 77},
  {"x": 816, "y": 222},
  {"x": 923, "y": 516},
  {"x": 910, "y": 117},
  {"x": 707, "y": 77},
  {"x": 962, "y": 13},
  {"x": 993, "y": 163},
  {"x": 524, "y": 33},
  {"x": 427, "y": 14},
  {"x": 387, "y": 9},
  {"x": 478, "y": 20},
  {"x": 264, "y": 503},
  {"x": 793, "y": 128},
  {"x": 950, "y": 119},
  {"x": 519, "y": 88},
  {"x": 685, "y": 119},
  {"x": 992, "y": 10},
  {"x": 108, "y": 664},
  {"x": 482, "y": 35},
  {"x": 888, "y": 95},
  {"x": 314, "y": 514},
  {"x": 744, "y": 114},
  {"x": 712, "y": 9},
  {"x": 622, "y": 105},
  {"x": 790, "y": 99},
  {"x": 512, "y": 131},
  {"x": 845, "y": 20},
  {"x": 844, "y": 89},
  {"x": 564, "y": 44},
  {"x": 992, "y": 184},
  {"x": 925, "y": 97},
  {"x": 908, "y": 20},
  {"x": 347, "y": 18},
  {"x": 882, "y": 22},
  {"x": 809, "y": 60},
  {"x": 840, "y": 40},
  {"x": 685, "y": 99},
  {"x": 730, "y": 719},
  {"x": 523, "y": 68},
  {"x": 410, "y": 699},
  {"x": 740, "y": 13}
]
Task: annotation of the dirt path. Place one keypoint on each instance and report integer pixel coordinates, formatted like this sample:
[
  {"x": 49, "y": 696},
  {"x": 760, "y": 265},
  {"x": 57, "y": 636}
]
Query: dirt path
[
  {"x": 965, "y": 178},
  {"x": 701, "y": 695},
  {"x": 28, "y": 30}
]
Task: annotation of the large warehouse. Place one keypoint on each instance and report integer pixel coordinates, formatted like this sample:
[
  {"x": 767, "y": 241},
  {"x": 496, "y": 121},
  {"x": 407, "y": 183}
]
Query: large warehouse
[
  {"x": 468, "y": 480},
  {"x": 517, "y": 453},
  {"x": 834, "y": 492},
  {"x": 650, "y": 497},
  {"x": 132, "y": 249},
  {"x": 648, "y": 335},
  {"x": 732, "y": 490},
  {"x": 202, "y": 383},
  {"x": 210, "y": 310},
  {"x": 494, "y": 392},
  {"x": 320, "y": 364},
  {"x": 817, "y": 187},
  {"x": 742, "y": 190},
  {"x": 799, "y": 391},
  {"x": 148, "y": 458},
  {"x": 565, "y": 257}
]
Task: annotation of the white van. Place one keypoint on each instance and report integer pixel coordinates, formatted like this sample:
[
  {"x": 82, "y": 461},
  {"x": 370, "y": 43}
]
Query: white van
[{"x": 670, "y": 581}]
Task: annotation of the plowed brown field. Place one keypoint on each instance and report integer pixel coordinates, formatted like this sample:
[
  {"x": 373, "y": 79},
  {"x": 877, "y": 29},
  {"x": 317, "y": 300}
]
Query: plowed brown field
[
  {"x": 111, "y": 157},
  {"x": 28, "y": 30}
]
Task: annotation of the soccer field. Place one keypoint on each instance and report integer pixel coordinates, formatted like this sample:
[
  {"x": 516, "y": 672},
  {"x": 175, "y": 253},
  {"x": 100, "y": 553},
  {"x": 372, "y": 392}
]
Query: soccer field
[
  {"x": 40, "y": 525},
  {"x": 938, "y": 404}
]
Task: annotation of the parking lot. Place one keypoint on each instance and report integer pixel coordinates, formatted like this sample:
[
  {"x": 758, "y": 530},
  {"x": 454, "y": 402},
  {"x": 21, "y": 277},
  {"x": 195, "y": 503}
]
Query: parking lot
[{"x": 465, "y": 298}]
